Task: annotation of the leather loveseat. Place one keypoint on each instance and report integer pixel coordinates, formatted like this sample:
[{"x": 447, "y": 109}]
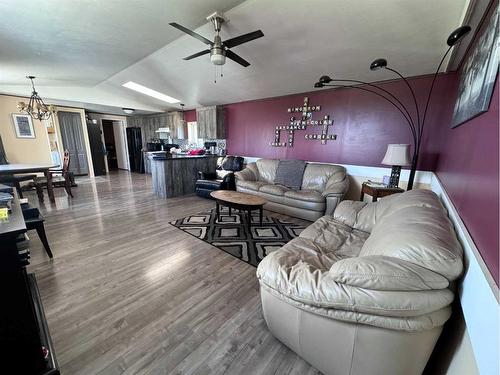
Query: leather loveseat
[
  {"x": 367, "y": 290},
  {"x": 222, "y": 179},
  {"x": 323, "y": 187}
]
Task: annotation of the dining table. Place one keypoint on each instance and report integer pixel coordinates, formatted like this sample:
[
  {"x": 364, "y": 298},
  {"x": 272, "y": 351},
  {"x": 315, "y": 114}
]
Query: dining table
[{"x": 19, "y": 168}]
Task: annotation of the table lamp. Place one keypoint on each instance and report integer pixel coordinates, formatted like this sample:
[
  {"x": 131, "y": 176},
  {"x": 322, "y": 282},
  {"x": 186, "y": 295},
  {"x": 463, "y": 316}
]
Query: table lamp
[{"x": 397, "y": 155}]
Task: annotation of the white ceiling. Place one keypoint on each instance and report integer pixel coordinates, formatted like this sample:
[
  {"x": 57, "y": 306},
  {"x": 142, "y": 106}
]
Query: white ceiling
[{"x": 83, "y": 51}]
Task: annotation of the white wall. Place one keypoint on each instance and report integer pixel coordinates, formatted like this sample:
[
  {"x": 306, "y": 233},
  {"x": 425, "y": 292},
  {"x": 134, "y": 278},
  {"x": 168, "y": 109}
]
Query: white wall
[{"x": 121, "y": 145}]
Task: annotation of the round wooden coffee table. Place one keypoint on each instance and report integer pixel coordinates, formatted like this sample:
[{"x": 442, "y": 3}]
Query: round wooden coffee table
[{"x": 239, "y": 201}]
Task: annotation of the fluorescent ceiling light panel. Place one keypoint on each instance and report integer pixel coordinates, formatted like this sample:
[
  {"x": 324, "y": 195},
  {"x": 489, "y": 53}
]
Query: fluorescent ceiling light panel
[{"x": 150, "y": 92}]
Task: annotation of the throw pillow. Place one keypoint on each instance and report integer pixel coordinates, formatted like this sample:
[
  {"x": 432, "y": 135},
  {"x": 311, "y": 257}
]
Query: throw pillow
[{"x": 290, "y": 173}]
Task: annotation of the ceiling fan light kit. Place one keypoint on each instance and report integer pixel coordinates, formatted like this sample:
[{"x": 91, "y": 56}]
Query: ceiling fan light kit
[{"x": 220, "y": 49}]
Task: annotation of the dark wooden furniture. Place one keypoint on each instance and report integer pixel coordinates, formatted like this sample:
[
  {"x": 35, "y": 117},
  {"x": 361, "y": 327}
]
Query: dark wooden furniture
[
  {"x": 10, "y": 169},
  {"x": 34, "y": 220},
  {"x": 13, "y": 180},
  {"x": 239, "y": 201},
  {"x": 222, "y": 179},
  {"x": 377, "y": 191},
  {"x": 25, "y": 343},
  {"x": 58, "y": 178}
]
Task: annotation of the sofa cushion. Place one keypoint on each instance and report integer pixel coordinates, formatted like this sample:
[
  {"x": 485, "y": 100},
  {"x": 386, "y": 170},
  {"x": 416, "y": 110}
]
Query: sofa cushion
[
  {"x": 305, "y": 195},
  {"x": 317, "y": 175},
  {"x": 267, "y": 170},
  {"x": 358, "y": 215},
  {"x": 414, "y": 227},
  {"x": 300, "y": 271},
  {"x": 274, "y": 189},
  {"x": 305, "y": 205},
  {"x": 331, "y": 235},
  {"x": 250, "y": 185},
  {"x": 289, "y": 173},
  {"x": 386, "y": 273}
]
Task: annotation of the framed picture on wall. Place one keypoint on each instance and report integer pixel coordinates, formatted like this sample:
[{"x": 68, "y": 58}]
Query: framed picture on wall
[
  {"x": 478, "y": 75},
  {"x": 23, "y": 126}
]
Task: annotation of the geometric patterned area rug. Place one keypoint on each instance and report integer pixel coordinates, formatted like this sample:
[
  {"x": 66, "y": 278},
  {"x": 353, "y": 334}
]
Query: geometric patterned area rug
[{"x": 232, "y": 235}]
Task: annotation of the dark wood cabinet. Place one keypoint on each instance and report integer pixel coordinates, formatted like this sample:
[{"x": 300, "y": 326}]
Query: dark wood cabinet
[{"x": 25, "y": 344}]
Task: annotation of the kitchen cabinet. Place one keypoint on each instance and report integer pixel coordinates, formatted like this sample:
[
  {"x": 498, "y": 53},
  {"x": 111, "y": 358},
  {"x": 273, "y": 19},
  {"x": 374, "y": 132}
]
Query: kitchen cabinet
[
  {"x": 176, "y": 124},
  {"x": 210, "y": 122}
]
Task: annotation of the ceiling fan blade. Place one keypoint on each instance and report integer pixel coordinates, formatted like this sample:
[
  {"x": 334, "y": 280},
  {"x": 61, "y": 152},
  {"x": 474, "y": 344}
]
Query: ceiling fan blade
[
  {"x": 201, "y": 53},
  {"x": 233, "y": 56},
  {"x": 236, "y": 41},
  {"x": 192, "y": 33}
]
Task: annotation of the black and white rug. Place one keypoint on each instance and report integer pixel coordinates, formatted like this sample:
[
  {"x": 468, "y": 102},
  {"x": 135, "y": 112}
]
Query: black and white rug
[{"x": 232, "y": 234}]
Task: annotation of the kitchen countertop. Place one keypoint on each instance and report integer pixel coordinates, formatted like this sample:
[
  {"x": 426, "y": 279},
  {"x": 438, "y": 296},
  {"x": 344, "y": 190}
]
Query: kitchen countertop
[{"x": 161, "y": 155}]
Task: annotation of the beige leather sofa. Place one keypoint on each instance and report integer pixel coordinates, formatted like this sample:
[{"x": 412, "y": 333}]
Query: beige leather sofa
[
  {"x": 323, "y": 187},
  {"x": 367, "y": 290}
]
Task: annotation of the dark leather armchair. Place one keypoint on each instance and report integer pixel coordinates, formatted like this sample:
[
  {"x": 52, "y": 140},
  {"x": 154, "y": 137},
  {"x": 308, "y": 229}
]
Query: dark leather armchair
[{"x": 222, "y": 179}]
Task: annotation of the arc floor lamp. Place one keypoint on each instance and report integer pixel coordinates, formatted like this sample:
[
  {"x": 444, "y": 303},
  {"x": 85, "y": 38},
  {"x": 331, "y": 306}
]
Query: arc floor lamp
[{"x": 415, "y": 120}]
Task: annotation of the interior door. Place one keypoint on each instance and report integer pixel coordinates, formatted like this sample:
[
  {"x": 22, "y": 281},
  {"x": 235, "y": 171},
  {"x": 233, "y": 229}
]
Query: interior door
[
  {"x": 96, "y": 148},
  {"x": 70, "y": 124},
  {"x": 121, "y": 145}
]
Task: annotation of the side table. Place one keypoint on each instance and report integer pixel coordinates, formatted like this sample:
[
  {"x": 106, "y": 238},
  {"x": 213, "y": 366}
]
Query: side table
[{"x": 377, "y": 191}]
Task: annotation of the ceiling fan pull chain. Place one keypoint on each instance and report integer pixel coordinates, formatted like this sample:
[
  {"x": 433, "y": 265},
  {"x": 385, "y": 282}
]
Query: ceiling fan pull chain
[{"x": 221, "y": 70}]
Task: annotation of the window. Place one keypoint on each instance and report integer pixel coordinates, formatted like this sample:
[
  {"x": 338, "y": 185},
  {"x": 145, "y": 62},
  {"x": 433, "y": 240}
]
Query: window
[{"x": 192, "y": 132}]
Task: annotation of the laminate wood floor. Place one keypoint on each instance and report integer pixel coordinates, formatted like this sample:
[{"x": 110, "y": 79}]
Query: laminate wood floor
[{"x": 127, "y": 293}]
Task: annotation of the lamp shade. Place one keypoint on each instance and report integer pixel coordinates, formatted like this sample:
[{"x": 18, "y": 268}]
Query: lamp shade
[{"x": 397, "y": 154}]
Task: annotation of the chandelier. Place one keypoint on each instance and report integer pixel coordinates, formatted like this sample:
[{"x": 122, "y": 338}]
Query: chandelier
[{"x": 36, "y": 108}]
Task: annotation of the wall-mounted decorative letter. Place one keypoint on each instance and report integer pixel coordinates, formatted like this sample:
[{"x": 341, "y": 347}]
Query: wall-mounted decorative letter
[{"x": 301, "y": 124}]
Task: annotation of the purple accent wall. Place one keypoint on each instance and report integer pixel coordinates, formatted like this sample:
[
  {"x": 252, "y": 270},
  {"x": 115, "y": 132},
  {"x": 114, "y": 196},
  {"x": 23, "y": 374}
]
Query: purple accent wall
[
  {"x": 465, "y": 159},
  {"x": 468, "y": 169},
  {"x": 363, "y": 122}
]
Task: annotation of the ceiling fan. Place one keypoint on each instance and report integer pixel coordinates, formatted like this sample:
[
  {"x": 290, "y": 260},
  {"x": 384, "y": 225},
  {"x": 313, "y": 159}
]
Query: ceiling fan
[{"x": 219, "y": 49}]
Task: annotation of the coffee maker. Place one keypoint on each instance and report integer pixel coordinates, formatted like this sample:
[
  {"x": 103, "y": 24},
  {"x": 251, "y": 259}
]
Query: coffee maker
[{"x": 211, "y": 147}]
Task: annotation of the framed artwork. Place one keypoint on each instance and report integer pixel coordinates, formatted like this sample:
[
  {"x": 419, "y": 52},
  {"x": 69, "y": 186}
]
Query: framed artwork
[
  {"x": 478, "y": 75},
  {"x": 23, "y": 126}
]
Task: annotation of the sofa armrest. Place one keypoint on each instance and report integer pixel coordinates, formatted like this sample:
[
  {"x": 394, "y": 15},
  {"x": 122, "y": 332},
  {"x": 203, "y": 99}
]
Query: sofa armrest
[
  {"x": 386, "y": 273},
  {"x": 336, "y": 186},
  {"x": 245, "y": 175},
  {"x": 206, "y": 175}
]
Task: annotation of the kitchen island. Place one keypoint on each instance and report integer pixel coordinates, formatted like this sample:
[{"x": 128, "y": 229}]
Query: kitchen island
[{"x": 176, "y": 175}]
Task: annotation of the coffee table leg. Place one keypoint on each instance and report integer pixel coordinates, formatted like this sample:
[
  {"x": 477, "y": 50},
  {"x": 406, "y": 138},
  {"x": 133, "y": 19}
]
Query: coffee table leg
[
  {"x": 229, "y": 211},
  {"x": 217, "y": 210},
  {"x": 260, "y": 215}
]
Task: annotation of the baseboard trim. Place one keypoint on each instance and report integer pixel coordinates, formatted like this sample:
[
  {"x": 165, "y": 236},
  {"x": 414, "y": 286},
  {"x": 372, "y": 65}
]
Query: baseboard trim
[{"x": 478, "y": 293}]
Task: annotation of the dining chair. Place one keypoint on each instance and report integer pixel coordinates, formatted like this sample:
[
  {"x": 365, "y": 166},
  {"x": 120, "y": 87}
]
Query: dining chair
[{"x": 60, "y": 178}]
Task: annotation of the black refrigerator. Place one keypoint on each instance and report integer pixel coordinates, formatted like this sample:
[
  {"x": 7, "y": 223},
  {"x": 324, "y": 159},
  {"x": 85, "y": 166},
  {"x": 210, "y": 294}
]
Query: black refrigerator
[{"x": 135, "y": 154}]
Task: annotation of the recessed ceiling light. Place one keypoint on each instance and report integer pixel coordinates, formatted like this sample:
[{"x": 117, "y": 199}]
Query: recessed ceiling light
[
  {"x": 128, "y": 111},
  {"x": 150, "y": 92}
]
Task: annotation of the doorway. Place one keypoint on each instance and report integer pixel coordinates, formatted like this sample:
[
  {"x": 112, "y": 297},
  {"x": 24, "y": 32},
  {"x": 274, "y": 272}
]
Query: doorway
[
  {"x": 110, "y": 144},
  {"x": 97, "y": 150},
  {"x": 70, "y": 124}
]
